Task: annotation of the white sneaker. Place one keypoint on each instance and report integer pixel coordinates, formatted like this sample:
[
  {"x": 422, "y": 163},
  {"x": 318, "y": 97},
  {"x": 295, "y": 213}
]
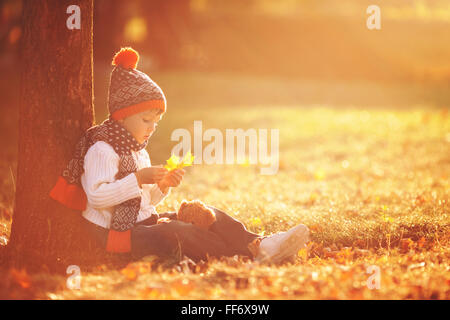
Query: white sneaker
[{"x": 283, "y": 245}]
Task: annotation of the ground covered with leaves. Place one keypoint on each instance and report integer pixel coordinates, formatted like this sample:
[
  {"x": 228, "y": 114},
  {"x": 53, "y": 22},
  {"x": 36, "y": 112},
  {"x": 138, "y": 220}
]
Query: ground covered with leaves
[{"x": 372, "y": 185}]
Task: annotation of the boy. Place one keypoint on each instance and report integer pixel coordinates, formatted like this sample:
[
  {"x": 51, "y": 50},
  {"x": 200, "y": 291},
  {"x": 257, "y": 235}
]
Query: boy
[{"x": 111, "y": 180}]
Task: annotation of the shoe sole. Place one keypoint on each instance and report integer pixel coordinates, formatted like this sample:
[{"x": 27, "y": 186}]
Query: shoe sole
[{"x": 289, "y": 247}]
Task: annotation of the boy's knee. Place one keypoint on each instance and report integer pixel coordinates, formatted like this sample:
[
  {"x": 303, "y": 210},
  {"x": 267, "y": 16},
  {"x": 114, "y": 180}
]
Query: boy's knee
[{"x": 176, "y": 225}]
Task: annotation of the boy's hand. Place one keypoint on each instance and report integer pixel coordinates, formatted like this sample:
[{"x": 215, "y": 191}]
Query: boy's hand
[
  {"x": 171, "y": 179},
  {"x": 150, "y": 175}
]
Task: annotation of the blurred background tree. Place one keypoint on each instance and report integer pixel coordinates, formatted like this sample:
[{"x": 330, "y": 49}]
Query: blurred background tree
[
  {"x": 312, "y": 52},
  {"x": 286, "y": 38}
]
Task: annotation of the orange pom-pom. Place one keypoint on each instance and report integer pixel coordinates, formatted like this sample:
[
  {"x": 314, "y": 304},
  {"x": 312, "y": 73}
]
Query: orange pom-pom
[{"x": 126, "y": 58}]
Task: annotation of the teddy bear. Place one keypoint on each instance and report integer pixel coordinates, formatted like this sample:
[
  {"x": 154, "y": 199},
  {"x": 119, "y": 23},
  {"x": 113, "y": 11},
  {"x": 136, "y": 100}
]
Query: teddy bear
[{"x": 195, "y": 212}]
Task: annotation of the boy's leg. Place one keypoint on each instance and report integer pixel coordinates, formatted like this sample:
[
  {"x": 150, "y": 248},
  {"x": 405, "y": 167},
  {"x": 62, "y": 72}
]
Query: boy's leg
[
  {"x": 166, "y": 238},
  {"x": 233, "y": 232},
  {"x": 153, "y": 219},
  {"x": 170, "y": 215}
]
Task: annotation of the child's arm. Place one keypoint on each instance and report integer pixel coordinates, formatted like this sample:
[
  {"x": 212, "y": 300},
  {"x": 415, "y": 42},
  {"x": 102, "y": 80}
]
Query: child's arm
[
  {"x": 100, "y": 167},
  {"x": 162, "y": 188},
  {"x": 157, "y": 192}
]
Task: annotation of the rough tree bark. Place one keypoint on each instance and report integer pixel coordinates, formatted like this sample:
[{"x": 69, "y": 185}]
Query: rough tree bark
[{"x": 56, "y": 106}]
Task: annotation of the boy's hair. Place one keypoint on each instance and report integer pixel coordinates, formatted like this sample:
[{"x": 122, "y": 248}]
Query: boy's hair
[{"x": 156, "y": 112}]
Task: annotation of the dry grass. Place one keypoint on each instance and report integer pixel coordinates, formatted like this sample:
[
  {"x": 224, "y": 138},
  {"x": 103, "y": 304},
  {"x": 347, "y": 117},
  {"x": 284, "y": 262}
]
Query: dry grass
[{"x": 373, "y": 187}]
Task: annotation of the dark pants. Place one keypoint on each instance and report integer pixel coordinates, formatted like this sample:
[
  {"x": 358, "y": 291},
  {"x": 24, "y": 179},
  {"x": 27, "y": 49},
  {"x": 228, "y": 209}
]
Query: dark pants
[{"x": 225, "y": 237}]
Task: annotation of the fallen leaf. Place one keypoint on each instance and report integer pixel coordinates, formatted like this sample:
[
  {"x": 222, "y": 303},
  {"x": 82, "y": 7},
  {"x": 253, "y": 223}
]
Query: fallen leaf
[
  {"x": 182, "y": 287},
  {"x": 244, "y": 163},
  {"x": 256, "y": 221},
  {"x": 129, "y": 273},
  {"x": 150, "y": 293},
  {"x": 406, "y": 245},
  {"x": 303, "y": 254},
  {"x": 344, "y": 255},
  {"x": 21, "y": 277},
  {"x": 313, "y": 197},
  {"x": 421, "y": 242}
]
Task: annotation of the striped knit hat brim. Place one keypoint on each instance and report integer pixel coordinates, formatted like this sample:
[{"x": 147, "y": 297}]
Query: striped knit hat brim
[{"x": 132, "y": 91}]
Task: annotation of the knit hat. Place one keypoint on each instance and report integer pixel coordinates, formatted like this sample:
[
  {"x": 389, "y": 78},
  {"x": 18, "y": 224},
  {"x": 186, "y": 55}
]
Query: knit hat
[{"x": 131, "y": 91}]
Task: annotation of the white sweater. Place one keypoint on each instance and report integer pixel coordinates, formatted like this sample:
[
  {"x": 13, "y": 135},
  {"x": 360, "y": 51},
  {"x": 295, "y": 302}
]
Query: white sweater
[{"x": 103, "y": 191}]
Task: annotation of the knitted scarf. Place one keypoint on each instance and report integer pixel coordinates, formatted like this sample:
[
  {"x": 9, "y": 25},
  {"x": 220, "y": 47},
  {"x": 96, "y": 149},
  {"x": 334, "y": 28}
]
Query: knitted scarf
[{"x": 68, "y": 189}]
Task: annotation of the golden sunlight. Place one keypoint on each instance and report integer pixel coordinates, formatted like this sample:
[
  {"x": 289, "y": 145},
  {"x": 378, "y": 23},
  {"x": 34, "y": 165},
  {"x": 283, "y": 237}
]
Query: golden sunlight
[{"x": 135, "y": 30}]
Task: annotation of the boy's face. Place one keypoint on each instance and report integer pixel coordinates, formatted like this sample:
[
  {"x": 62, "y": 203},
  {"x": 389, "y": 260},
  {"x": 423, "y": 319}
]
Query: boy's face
[{"x": 141, "y": 125}]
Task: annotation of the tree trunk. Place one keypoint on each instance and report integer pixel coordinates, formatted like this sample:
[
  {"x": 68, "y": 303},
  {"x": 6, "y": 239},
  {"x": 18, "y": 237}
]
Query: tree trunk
[{"x": 56, "y": 106}]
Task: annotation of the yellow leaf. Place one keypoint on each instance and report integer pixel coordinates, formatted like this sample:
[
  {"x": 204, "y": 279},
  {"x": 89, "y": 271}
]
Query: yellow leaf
[
  {"x": 245, "y": 163},
  {"x": 188, "y": 160},
  {"x": 320, "y": 174},
  {"x": 144, "y": 267},
  {"x": 303, "y": 253},
  {"x": 172, "y": 162},
  {"x": 256, "y": 221},
  {"x": 129, "y": 273},
  {"x": 183, "y": 287},
  {"x": 387, "y": 218},
  {"x": 150, "y": 293},
  {"x": 421, "y": 242},
  {"x": 313, "y": 197}
]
